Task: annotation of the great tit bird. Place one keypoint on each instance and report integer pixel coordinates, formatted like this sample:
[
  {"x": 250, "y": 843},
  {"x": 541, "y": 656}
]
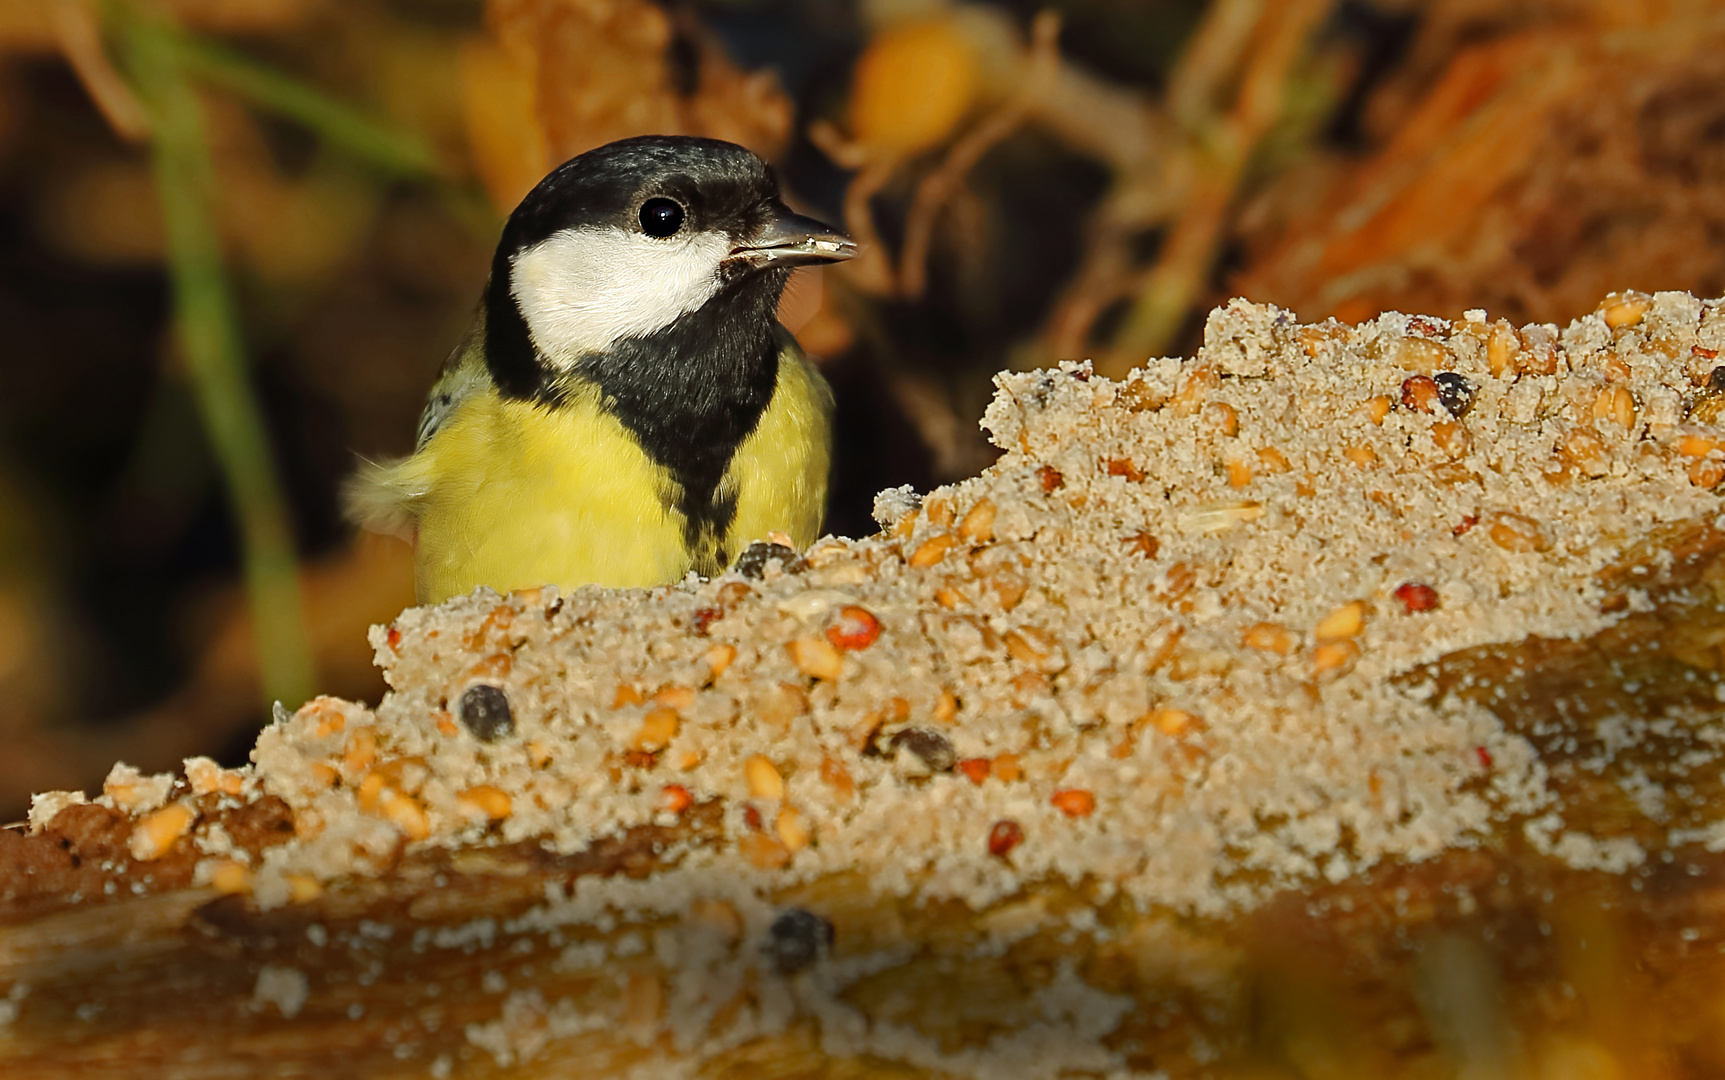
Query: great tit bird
[{"x": 625, "y": 406}]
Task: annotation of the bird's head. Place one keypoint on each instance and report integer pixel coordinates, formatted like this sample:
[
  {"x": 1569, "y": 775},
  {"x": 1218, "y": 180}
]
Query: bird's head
[{"x": 623, "y": 241}]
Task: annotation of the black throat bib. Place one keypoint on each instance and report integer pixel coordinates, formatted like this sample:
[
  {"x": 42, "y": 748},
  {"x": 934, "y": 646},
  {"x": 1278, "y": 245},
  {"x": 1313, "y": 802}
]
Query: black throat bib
[{"x": 689, "y": 394}]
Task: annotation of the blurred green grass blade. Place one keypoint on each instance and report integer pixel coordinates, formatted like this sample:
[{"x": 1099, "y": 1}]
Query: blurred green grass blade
[
  {"x": 204, "y": 312},
  {"x": 386, "y": 146}
]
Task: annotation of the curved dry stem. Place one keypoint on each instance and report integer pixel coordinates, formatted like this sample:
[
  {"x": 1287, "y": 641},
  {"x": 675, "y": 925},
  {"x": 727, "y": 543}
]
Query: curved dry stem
[
  {"x": 938, "y": 186},
  {"x": 1183, "y": 266},
  {"x": 871, "y": 271},
  {"x": 80, "y": 36}
]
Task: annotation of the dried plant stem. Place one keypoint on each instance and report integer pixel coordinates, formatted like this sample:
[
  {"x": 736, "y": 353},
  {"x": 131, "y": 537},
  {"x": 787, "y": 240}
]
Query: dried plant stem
[
  {"x": 938, "y": 186},
  {"x": 393, "y": 149},
  {"x": 1170, "y": 288},
  {"x": 80, "y": 36},
  {"x": 186, "y": 186}
]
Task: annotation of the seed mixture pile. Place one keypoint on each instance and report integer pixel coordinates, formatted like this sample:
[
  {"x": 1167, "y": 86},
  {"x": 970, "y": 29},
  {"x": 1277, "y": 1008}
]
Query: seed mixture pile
[{"x": 1151, "y": 648}]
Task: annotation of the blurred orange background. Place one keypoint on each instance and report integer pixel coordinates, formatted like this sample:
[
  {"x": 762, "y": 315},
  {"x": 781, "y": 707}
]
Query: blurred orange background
[{"x": 1032, "y": 182}]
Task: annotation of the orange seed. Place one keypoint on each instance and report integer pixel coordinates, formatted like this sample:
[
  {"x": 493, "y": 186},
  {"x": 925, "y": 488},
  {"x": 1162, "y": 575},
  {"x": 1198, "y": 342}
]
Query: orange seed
[
  {"x": 976, "y": 769},
  {"x": 718, "y": 659},
  {"x": 1269, "y": 637},
  {"x": 1074, "y": 802},
  {"x": 978, "y": 524},
  {"x": 1706, "y": 473},
  {"x": 763, "y": 778},
  {"x": 816, "y": 657},
  {"x": 675, "y": 798},
  {"x": 657, "y": 729},
  {"x": 931, "y": 551},
  {"x": 155, "y": 835},
  {"x": 856, "y": 628},
  {"x": 231, "y": 877},
  {"x": 484, "y": 800},
  {"x": 763, "y": 852},
  {"x": 793, "y": 831},
  {"x": 1335, "y": 656},
  {"x": 1624, "y": 309},
  {"x": 1344, "y": 622},
  {"x": 303, "y": 888},
  {"x": 1518, "y": 533},
  {"x": 1223, "y": 417}
]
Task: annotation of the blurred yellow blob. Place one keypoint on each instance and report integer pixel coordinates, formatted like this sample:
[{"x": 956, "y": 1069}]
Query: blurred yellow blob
[
  {"x": 912, "y": 86},
  {"x": 1567, "y": 1057}
]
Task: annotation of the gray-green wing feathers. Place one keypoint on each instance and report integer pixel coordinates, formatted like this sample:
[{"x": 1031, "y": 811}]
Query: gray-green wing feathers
[{"x": 383, "y": 496}]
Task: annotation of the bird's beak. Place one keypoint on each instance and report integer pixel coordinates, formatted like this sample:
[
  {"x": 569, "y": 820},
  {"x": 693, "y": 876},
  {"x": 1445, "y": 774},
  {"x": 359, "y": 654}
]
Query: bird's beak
[{"x": 793, "y": 240}]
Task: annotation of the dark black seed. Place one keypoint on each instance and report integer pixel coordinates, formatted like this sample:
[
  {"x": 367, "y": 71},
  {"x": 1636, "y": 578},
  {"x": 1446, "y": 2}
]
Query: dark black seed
[
  {"x": 1455, "y": 392},
  {"x": 797, "y": 939},
  {"x": 753, "y": 562},
  {"x": 1716, "y": 378},
  {"x": 485, "y": 710},
  {"x": 931, "y": 746}
]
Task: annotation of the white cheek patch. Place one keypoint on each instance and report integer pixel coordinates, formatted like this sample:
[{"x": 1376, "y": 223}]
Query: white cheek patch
[{"x": 582, "y": 289}]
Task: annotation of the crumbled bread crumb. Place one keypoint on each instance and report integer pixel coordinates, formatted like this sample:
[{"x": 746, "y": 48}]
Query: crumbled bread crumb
[
  {"x": 1007, "y": 611},
  {"x": 45, "y": 807},
  {"x": 128, "y": 789},
  {"x": 1171, "y": 644}
]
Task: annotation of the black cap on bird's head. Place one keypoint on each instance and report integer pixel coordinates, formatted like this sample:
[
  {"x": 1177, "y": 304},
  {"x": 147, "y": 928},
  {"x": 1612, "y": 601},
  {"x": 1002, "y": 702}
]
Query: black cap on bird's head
[{"x": 622, "y": 242}]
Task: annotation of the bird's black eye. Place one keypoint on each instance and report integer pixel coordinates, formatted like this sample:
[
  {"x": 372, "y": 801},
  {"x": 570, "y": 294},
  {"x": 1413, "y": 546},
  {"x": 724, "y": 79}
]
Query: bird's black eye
[{"x": 661, "y": 218}]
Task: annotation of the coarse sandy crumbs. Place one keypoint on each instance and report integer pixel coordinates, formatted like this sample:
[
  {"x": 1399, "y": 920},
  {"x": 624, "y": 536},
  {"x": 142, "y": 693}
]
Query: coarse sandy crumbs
[{"x": 1152, "y": 647}]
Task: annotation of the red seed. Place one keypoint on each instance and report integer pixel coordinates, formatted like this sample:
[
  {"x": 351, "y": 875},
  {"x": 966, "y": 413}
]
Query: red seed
[
  {"x": 1143, "y": 544},
  {"x": 705, "y": 617},
  {"x": 1467, "y": 523},
  {"x": 1074, "y": 802},
  {"x": 1416, "y": 597},
  {"x": 1124, "y": 467},
  {"x": 675, "y": 798},
  {"x": 856, "y": 628},
  {"x": 394, "y": 639},
  {"x": 752, "y": 818},
  {"x": 976, "y": 768},
  {"x": 1420, "y": 392},
  {"x": 1484, "y": 756},
  {"x": 1050, "y": 478},
  {"x": 1005, "y": 836}
]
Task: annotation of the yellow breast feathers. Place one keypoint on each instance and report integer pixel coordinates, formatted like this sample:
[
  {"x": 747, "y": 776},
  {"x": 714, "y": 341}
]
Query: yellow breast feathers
[{"x": 515, "y": 494}]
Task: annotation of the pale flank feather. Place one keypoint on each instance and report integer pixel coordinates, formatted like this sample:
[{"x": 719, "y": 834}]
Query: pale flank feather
[
  {"x": 383, "y": 496},
  {"x": 388, "y": 496}
]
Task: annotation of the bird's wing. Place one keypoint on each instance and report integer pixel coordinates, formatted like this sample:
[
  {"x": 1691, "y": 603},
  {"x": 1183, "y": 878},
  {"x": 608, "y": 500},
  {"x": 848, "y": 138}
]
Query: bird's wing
[
  {"x": 464, "y": 374},
  {"x": 384, "y": 496}
]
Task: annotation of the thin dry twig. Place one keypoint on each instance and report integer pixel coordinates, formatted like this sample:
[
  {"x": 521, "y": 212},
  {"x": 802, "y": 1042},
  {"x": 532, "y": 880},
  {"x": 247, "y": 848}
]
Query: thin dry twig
[
  {"x": 871, "y": 271},
  {"x": 80, "y": 36},
  {"x": 1208, "y": 62},
  {"x": 938, "y": 186},
  {"x": 1166, "y": 293}
]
